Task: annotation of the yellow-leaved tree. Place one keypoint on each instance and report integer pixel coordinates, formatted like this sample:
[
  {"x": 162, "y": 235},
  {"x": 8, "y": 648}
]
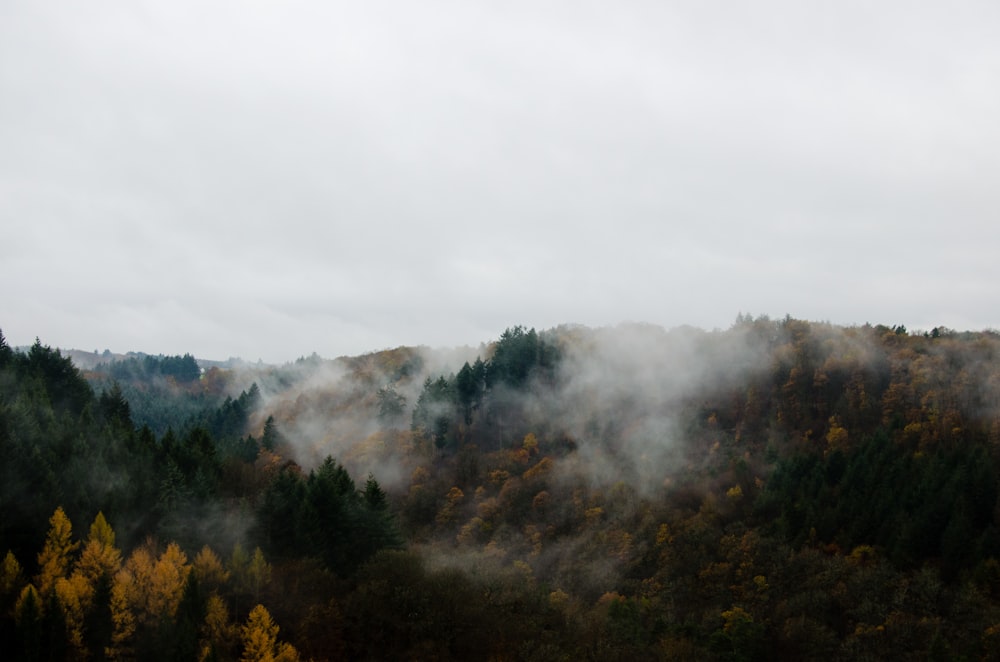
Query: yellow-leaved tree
[
  {"x": 100, "y": 559},
  {"x": 209, "y": 571},
  {"x": 73, "y": 595},
  {"x": 170, "y": 575},
  {"x": 53, "y": 580},
  {"x": 57, "y": 553},
  {"x": 145, "y": 591},
  {"x": 87, "y": 591},
  {"x": 260, "y": 639},
  {"x": 11, "y": 577},
  {"x": 218, "y": 633}
]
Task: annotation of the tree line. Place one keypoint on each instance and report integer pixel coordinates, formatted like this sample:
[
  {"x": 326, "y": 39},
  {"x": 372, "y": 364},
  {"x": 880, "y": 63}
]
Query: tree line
[{"x": 831, "y": 494}]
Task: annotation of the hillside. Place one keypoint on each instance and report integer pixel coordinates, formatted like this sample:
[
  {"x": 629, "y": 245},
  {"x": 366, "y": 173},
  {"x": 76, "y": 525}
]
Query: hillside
[{"x": 780, "y": 490}]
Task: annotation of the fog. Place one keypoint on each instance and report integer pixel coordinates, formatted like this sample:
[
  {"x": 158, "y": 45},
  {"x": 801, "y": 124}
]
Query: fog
[{"x": 623, "y": 396}]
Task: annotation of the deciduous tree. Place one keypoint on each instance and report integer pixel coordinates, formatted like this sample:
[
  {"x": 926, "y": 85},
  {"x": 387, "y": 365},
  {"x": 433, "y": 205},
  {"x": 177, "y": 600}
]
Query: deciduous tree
[
  {"x": 260, "y": 639},
  {"x": 56, "y": 556}
]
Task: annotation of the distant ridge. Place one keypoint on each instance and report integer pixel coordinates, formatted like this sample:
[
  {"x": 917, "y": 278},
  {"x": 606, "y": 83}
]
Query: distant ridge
[{"x": 85, "y": 360}]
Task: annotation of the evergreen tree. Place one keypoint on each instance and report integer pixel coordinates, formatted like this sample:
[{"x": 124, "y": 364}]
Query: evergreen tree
[{"x": 391, "y": 406}]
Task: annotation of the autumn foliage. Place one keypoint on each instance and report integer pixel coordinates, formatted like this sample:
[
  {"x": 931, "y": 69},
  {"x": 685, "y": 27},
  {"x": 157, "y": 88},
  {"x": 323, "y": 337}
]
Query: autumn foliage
[{"x": 780, "y": 490}]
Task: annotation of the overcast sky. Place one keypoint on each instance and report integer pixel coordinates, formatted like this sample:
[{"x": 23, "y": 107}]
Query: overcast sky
[{"x": 270, "y": 179}]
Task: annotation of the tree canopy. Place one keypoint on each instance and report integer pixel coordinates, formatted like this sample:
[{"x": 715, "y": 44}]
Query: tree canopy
[{"x": 780, "y": 490}]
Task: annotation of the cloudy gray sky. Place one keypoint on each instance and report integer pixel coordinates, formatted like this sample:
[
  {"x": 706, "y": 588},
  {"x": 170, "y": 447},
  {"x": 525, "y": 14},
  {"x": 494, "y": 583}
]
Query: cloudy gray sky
[{"x": 268, "y": 179}]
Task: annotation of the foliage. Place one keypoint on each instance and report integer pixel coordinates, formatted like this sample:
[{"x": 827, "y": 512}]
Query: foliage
[
  {"x": 471, "y": 405},
  {"x": 324, "y": 515},
  {"x": 781, "y": 490}
]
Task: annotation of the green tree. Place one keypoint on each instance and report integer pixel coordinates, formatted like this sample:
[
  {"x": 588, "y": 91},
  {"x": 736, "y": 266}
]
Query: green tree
[
  {"x": 435, "y": 411},
  {"x": 114, "y": 407},
  {"x": 469, "y": 391},
  {"x": 329, "y": 517},
  {"x": 6, "y": 353},
  {"x": 377, "y": 525},
  {"x": 514, "y": 356},
  {"x": 280, "y": 515},
  {"x": 65, "y": 387},
  {"x": 391, "y": 406},
  {"x": 271, "y": 437}
]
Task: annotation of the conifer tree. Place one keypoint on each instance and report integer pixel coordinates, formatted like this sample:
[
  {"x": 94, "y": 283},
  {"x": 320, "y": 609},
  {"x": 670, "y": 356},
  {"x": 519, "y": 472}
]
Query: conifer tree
[
  {"x": 258, "y": 573},
  {"x": 260, "y": 639},
  {"x": 28, "y": 616},
  {"x": 55, "y": 557},
  {"x": 11, "y": 576},
  {"x": 218, "y": 633},
  {"x": 208, "y": 569},
  {"x": 100, "y": 559}
]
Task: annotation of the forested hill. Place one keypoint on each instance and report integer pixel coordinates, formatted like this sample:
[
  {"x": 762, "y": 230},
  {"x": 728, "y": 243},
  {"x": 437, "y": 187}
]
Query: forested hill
[{"x": 779, "y": 490}]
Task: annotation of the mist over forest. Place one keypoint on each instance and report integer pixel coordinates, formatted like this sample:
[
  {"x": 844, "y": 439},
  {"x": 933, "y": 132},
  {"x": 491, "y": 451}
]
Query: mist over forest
[{"x": 781, "y": 489}]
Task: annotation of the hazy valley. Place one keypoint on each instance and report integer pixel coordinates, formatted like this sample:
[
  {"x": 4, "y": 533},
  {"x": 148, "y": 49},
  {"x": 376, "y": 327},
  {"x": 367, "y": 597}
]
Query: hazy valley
[{"x": 782, "y": 489}]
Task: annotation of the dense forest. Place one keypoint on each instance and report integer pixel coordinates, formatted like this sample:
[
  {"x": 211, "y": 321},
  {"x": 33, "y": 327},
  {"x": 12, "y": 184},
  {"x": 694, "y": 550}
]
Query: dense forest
[{"x": 782, "y": 489}]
